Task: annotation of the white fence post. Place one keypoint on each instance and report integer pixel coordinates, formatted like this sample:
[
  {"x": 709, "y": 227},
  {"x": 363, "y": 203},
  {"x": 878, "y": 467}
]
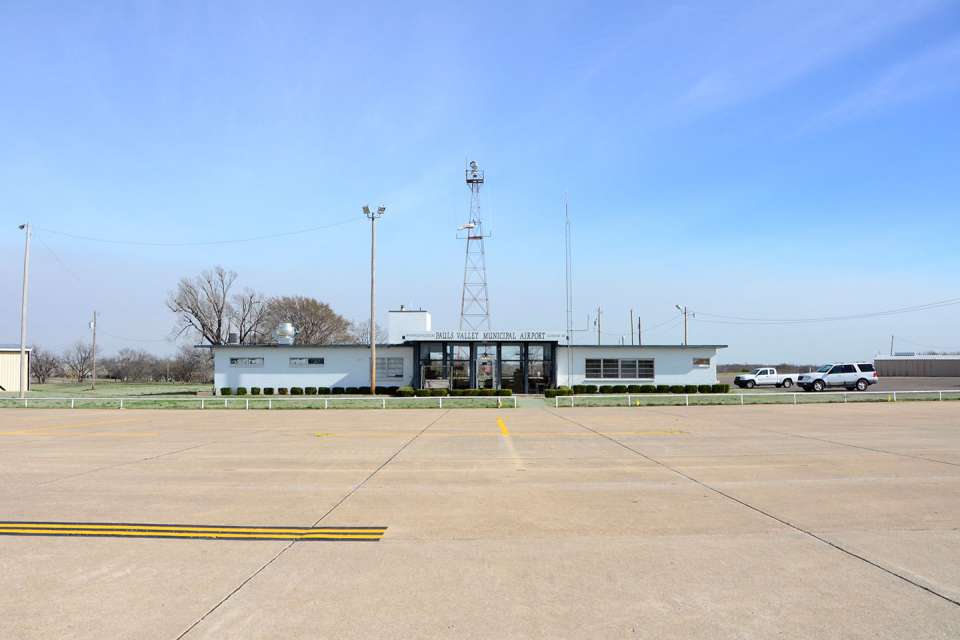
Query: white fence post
[
  {"x": 844, "y": 397},
  {"x": 741, "y": 399},
  {"x": 326, "y": 403},
  {"x": 71, "y": 400},
  {"x": 941, "y": 396},
  {"x": 440, "y": 398},
  {"x": 894, "y": 396},
  {"x": 201, "y": 403},
  {"x": 686, "y": 399},
  {"x": 269, "y": 403},
  {"x": 556, "y": 402},
  {"x": 224, "y": 403},
  {"x": 246, "y": 402},
  {"x": 794, "y": 398},
  {"x": 383, "y": 403},
  {"x": 121, "y": 403}
]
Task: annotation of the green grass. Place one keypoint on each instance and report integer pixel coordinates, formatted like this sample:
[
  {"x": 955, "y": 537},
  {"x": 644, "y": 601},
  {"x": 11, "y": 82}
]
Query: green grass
[
  {"x": 110, "y": 389},
  {"x": 222, "y": 403}
]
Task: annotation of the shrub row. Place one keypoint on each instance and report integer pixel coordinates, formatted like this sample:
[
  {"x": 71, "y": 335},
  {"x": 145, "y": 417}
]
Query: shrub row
[
  {"x": 586, "y": 389},
  {"x": 402, "y": 392}
]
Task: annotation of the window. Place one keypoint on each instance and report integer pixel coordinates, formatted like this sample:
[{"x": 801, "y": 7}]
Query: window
[
  {"x": 866, "y": 368},
  {"x": 306, "y": 362},
  {"x": 390, "y": 367},
  {"x": 701, "y": 362},
  {"x": 593, "y": 368},
  {"x": 625, "y": 369},
  {"x": 246, "y": 362}
]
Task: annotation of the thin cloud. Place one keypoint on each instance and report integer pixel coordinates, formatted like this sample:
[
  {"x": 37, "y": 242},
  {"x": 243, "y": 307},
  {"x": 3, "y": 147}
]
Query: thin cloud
[
  {"x": 772, "y": 45},
  {"x": 932, "y": 72}
]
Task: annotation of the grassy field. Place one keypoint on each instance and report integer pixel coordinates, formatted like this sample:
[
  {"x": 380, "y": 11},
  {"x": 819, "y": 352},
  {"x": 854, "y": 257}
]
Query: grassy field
[
  {"x": 160, "y": 401},
  {"x": 111, "y": 389}
]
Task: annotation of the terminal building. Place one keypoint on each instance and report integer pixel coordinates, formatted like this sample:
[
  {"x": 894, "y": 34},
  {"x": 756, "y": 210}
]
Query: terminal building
[{"x": 524, "y": 361}]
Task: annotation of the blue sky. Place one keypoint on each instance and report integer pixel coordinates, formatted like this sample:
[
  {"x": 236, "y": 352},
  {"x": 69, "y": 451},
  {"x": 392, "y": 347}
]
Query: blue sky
[{"x": 792, "y": 160}]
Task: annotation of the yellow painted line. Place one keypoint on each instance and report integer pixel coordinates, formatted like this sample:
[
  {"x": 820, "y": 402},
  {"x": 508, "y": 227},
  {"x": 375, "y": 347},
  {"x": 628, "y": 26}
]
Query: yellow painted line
[
  {"x": 186, "y": 528},
  {"x": 187, "y": 534},
  {"x": 503, "y": 427}
]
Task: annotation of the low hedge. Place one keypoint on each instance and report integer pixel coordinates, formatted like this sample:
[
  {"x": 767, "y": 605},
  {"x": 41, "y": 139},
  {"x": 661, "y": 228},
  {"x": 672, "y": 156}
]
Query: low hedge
[
  {"x": 296, "y": 391},
  {"x": 364, "y": 390},
  {"x": 505, "y": 392},
  {"x": 675, "y": 388},
  {"x": 405, "y": 392},
  {"x": 351, "y": 391},
  {"x": 633, "y": 388},
  {"x": 648, "y": 388},
  {"x": 689, "y": 388},
  {"x": 337, "y": 391},
  {"x": 282, "y": 391},
  {"x": 720, "y": 388},
  {"x": 662, "y": 388},
  {"x": 254, "y": 391},
  {"x": 241, "y": 391},
  {"x": 705, "y": 388},
  {"x": 309, "y": 391},
  {"x": 323, "y": 391},
  {"x": 226, "y": 391},
  {"x": 268, "y": 391},
  {"x": 423, "y": 393}
]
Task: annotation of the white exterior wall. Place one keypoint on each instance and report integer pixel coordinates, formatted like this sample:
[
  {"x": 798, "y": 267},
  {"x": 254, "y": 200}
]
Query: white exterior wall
[
  {"x": 344, "y": 366},
  {"x": 672, "y": 365},
  {"x": 10, "y": 370},
  {"x": 400, "y": 323}
]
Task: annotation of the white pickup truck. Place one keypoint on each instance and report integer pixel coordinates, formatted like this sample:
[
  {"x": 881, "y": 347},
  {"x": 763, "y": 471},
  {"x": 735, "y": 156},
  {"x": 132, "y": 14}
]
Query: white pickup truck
[{"x": 765, "y": 377}]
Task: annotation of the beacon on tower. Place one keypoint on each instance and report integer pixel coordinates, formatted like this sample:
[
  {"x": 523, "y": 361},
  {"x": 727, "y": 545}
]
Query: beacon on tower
[{"x": 474, "y": 301}]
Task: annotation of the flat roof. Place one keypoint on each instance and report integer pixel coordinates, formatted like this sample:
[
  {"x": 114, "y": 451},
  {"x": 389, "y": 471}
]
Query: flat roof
[
  {"x": 12, "y": 347},
  {"x": 410, "y": 344}
]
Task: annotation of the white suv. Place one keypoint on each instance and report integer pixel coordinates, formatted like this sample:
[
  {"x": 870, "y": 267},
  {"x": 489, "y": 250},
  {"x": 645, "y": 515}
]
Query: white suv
[{"x": 853, "y": 375}]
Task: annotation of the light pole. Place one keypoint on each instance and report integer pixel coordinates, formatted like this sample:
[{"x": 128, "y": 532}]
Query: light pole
[
  {"x": 93, "y": 325},
  {"x": 373, "y": 216},
  {"x": 24, "y": 371}
]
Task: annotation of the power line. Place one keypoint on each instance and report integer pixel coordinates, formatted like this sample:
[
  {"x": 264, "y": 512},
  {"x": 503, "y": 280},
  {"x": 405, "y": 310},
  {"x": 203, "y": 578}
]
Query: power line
[
  {"x": 201, "y": 243},
  {"x": 727, "y": 319}
]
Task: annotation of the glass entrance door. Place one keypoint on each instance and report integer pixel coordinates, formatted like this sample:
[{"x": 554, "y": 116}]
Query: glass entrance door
[{"x": 487, "y": 366}]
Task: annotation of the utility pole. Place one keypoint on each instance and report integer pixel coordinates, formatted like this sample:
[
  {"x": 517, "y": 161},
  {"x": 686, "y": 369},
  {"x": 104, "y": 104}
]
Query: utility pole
[
  {"x": 93, "y": 325},
  {"x": 891, "y": 345},
  {"x": 373, "y": 217},
  {"x": 599, "y": 313},
  {"x": 24, "y": 368},
  {"x": 639, "y": 333},
  {"x": 631, "y": 327},
  {"x": 686, "y": 313}
]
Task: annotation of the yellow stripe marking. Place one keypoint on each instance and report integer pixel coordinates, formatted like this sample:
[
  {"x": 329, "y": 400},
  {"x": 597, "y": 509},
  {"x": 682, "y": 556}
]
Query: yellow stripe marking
[
  {"x": 187, "y": 534},
  {"x": 503, "y": 427},
  {"x": 199, "y": 529}
]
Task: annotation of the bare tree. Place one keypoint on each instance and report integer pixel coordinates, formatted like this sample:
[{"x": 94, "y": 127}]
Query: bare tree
[
  {"x": 202, "y": 304},
  {"x": 191, "y": 365},
  {"x": 316, "y": 322},
  {"x": 78, "y": 360},
  {"x": 43, "y": 364},
  {"x": 248, "y": 315},
  {"x": 360, "y": 332},
  {"x": 135, "y": 365}
]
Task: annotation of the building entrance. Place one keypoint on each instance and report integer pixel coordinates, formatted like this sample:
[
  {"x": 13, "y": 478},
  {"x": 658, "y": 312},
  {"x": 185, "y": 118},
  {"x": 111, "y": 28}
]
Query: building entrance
[{"x": 522, "y": 367}]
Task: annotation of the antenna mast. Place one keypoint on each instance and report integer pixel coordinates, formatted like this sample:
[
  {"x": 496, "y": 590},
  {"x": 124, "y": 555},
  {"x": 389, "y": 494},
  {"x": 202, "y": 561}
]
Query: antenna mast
[{"x": 474, "y": 301}]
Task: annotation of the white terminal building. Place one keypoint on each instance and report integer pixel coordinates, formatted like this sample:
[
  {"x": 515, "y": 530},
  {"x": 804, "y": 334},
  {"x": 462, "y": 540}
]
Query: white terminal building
[{"x": 416, "y": 355}]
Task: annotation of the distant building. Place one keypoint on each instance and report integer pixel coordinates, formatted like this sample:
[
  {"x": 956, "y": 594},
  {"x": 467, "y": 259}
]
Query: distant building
[
  {"x": 417, "y": 356},
  {"x": 10, "y": 368},
  {"x": 918, "y": 365}
]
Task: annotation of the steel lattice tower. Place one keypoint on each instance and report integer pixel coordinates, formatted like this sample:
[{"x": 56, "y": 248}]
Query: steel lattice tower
[{"x": 474, "y": 302}]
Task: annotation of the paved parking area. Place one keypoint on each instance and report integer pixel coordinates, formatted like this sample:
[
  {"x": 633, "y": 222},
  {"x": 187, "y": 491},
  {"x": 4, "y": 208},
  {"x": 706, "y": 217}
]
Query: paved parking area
[{"x": 839, "y": 521}]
